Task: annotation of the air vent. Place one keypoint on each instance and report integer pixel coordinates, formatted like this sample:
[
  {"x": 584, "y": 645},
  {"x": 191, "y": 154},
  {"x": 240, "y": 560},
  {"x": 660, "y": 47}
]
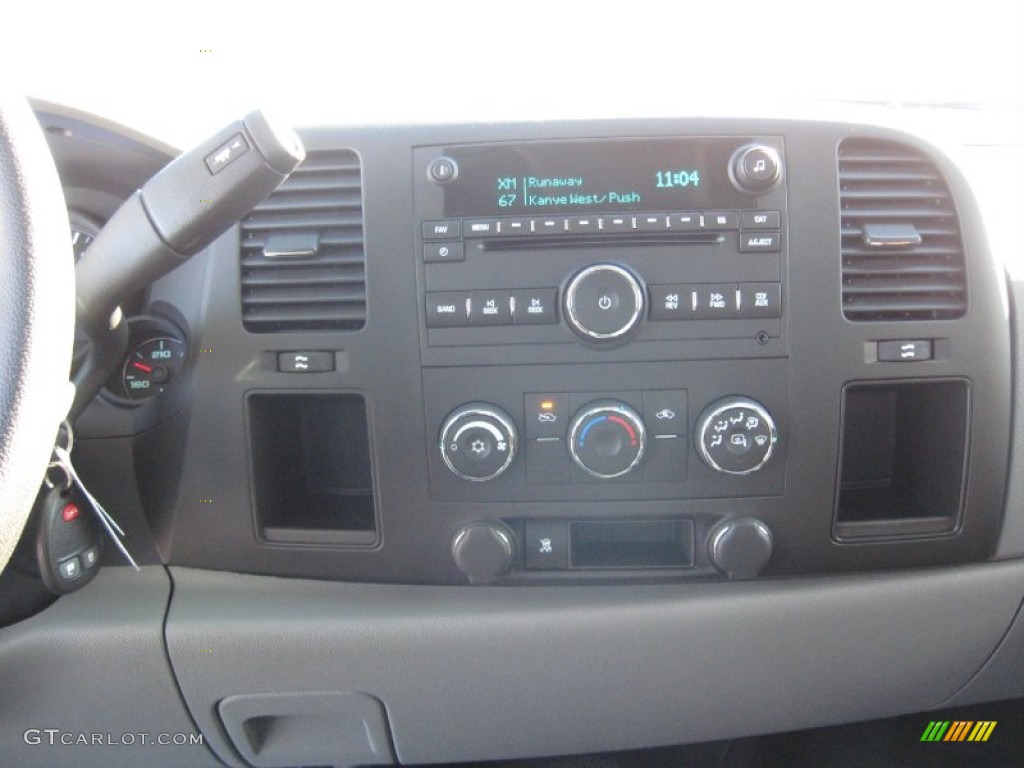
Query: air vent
[
  {"x": 903, "y": 255},
  {"x": 303, "y": 265}
]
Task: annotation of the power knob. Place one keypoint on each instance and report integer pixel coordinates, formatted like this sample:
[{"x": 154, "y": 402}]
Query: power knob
[
  {"x": 604, "y": 303},
  {"x": 478, "y": 441},
  {"x": 755, "y": 168}
]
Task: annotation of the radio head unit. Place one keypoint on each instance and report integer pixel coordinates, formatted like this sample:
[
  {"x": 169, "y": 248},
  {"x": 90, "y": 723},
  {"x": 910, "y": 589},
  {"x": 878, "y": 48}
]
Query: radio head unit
[
  {"x": 568, "y": 249},
  {"x": 633, "y": 175}
]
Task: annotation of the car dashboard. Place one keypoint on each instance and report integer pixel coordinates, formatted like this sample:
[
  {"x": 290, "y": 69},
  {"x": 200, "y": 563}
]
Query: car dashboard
[{"x": 613, "y": 434}]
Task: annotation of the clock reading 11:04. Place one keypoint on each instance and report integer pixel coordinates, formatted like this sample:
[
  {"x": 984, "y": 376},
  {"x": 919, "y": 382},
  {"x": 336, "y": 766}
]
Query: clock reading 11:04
[{"x": 680, "y": 178}]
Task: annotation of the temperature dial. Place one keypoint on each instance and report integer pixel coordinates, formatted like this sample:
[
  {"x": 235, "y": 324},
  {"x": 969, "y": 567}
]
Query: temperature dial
[
  {"x": 607, "y": 439},
  {"x": 736, "y": 435},
  {"x": 478, "y": 441}
]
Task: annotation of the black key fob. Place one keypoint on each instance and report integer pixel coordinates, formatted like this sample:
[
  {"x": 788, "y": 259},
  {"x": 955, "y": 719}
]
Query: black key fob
[{"x": 68, "y": 541}]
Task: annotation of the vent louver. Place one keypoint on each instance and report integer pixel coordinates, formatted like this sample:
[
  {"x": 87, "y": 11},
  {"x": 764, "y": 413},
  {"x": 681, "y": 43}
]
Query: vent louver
[
  {"x": 302, "y": 259},
  {"x": 902, "y": 251}
]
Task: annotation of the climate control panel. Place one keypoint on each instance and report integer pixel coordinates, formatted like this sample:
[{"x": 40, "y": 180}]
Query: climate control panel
[
  {"x": 607, "y": 438},
  {"x": 694, "y": 430}
]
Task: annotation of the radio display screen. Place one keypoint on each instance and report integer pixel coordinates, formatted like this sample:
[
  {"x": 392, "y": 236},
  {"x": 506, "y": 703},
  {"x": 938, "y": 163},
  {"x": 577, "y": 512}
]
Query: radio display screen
[{"x": 537, "y": 178}]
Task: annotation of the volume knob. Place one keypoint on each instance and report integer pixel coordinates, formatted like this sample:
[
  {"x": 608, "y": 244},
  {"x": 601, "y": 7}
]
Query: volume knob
[{"x": 604, "y": 303}]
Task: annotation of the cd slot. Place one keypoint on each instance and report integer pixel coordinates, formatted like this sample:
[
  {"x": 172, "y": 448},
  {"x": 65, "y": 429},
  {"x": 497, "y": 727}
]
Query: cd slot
[{"x": 589, "y": 240}]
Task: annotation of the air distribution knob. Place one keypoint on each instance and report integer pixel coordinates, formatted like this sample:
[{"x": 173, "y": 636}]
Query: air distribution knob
[
  {"x": 736, "y": 435},
  {"x": 607, "y": 439},
  {"x": 484, "y": 552},
  {"x": 478, "y": 441}
]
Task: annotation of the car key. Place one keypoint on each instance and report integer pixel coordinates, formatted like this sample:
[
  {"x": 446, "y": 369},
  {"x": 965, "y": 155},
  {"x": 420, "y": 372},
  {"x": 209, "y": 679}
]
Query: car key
[
  {"x": 62, "y": 461},
  {"x": 68, "y": 541}
]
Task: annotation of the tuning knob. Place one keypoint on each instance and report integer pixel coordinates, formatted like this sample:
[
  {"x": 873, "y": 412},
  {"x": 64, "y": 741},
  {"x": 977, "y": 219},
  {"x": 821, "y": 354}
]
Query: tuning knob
[
  {"x": 740, "y": 547},
  {"x": 755, "y": 168},
  {"x": 484, "y": 552},
  {"x": 478, "y": 441}
]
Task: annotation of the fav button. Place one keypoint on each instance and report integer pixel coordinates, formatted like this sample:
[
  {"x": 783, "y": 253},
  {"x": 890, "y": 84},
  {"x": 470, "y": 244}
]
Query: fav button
[{"x": 442, "y": 230}]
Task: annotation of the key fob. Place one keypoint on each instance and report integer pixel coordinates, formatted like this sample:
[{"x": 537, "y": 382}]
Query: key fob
[{"x": 68, "y": 541}]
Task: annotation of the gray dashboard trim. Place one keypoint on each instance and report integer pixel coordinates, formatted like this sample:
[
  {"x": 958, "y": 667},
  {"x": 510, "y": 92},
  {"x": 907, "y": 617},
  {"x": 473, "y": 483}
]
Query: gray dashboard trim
[
  {"x": 477, "y": 673},
  {"x": 94, "y": 663},
  {"x": 1011, "y": 539}
]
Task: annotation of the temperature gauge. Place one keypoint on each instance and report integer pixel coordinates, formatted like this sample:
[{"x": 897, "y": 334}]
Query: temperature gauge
[{"x": 151, "y": 366}]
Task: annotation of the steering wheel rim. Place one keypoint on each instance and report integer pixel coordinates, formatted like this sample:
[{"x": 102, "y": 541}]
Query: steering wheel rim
[{"x": 36, "y": 313}]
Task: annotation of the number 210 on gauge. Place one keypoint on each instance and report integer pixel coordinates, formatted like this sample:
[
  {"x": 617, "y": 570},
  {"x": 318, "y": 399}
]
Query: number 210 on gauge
[{"x": 681, "y": 178}]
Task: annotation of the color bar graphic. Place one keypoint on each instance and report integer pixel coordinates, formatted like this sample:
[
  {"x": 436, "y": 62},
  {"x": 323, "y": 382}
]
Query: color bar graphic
[{"x": 958, "y": 730}]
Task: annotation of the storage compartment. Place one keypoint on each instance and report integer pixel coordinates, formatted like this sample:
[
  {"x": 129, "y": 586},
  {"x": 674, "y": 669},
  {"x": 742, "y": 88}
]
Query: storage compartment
[
  {"x": 631, "y": 544},
  {"x": 903, "y": 459},
  {"x": 312, "y": 476}
]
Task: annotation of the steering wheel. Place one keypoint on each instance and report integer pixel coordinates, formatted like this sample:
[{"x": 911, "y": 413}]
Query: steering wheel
[{"x": 37, "y": 314}]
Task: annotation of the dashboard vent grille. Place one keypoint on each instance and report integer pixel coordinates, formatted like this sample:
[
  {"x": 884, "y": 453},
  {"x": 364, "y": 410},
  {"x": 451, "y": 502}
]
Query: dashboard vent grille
[
  {"x": 302, "y": 258},
  {"x": 902, "y": 251}
]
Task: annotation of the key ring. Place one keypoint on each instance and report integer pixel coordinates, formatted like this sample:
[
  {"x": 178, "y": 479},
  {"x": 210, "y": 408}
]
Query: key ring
[
  {"x": 65, "y": 429},
  {"x": 68, "y": 433}
]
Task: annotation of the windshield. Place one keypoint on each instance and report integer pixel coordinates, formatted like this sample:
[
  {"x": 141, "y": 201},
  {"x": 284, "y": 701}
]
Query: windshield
[{"x": 175, "y": 73}]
